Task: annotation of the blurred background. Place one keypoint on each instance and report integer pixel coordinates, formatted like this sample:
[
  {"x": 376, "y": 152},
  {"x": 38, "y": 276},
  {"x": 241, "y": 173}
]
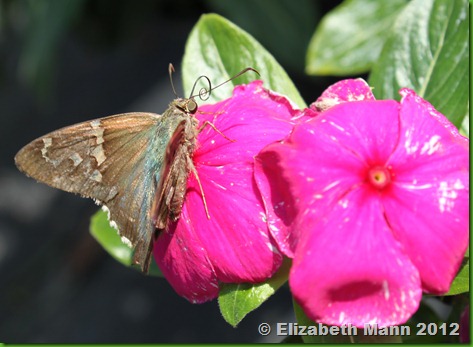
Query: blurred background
[{"x": 63, "y": 62}]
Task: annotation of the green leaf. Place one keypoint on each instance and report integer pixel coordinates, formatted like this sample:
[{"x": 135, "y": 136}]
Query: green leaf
[
  {"x": 428, "y": 51},
  {"x": 465, "y": 127},
  {"x": 349, "y": 38},
  {"x": 287, "y": 25},
  {"x": 110, "y": 240},
  {"x": 237, "y": 300},
  {"x": 461, "y": 283},
  {"x": 219, "y": 50}
]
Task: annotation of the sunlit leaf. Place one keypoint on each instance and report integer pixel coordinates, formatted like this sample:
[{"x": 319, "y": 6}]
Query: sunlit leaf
[
  {"x": 237, "y": 300},
  {"x": 428, "y": 51},
  {"x": 110, "y": 240},
  {"x": 219, "y": 50},
  {"x": 349, "y": 39}
]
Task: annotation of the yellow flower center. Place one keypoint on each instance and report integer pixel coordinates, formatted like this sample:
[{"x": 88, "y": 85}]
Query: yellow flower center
[{"x": 379, "y": 177}]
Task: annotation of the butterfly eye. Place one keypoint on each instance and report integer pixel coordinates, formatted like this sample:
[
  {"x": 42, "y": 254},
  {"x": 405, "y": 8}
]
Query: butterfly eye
[{"x": 191, "y": 106}]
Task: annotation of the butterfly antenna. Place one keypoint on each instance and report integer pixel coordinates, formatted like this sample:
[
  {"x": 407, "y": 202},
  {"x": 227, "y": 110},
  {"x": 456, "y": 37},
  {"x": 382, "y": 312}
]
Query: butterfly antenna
[
  {"x": 171, "y": 70},
  {"x": 204, "y": 93},
  {"x": 237, "y": 75}
]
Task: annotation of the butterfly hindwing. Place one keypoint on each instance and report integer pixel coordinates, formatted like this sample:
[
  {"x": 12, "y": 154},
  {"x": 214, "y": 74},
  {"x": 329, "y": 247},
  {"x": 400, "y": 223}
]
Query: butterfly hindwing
[{"x": 173, "y": 183}]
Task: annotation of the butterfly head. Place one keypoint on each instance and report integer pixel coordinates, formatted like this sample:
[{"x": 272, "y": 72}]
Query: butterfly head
[
  {"x": 189, "y": 105},
  {"x": 186, "y": 105}
]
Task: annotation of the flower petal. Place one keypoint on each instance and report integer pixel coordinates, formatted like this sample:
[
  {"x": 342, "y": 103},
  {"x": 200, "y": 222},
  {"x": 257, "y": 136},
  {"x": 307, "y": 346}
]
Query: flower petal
[
  {"x": 281, "y": 207},
  {"x": 428, "y": 207},
  {"x": 349, "y": 268},
  {"x": 234, "y": 245},
  {"x": 369, "y": 130},
  {"x": 327, "y": 156},
  {"x": 251, "y": 119},
  {"x": 235, "y": 237},
  {"x": 344, "y": 91},
  {"x": 184, "y": 262}
]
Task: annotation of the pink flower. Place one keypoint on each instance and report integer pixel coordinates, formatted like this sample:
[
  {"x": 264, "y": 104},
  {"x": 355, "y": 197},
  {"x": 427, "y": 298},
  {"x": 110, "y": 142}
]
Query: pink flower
[
  {"x": 371, "y": 199},
  {"x": 234, "y": 245}
]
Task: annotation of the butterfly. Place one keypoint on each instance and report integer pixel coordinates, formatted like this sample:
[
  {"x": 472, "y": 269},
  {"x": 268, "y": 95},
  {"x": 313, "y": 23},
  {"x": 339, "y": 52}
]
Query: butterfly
[{"x": 135, "y": 165}]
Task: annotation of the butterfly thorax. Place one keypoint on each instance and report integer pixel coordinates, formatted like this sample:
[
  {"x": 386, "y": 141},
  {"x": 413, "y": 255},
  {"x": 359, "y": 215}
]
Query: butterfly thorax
[{"x": 179, "y": 132}]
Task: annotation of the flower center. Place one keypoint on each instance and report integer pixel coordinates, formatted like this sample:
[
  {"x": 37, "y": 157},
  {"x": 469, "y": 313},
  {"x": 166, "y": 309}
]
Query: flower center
[{"x": 379, "y": 177}]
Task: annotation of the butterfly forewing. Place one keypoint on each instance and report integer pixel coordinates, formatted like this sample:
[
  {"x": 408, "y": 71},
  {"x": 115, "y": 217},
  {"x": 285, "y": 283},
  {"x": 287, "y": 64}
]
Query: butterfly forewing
[{"x": 106, "y": 159}]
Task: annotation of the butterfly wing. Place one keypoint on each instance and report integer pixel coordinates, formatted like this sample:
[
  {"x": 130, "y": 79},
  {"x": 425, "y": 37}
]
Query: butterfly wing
[
  {"x": 173, "y": 179},
  {"x": 107, "y": 160}
]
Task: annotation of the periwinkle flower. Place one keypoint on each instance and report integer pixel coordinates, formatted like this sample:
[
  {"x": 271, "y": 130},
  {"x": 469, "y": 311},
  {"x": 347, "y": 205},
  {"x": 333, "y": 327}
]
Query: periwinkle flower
[
  {"x": 234, "y": 245},
  {"x": 370, "y": 198}
]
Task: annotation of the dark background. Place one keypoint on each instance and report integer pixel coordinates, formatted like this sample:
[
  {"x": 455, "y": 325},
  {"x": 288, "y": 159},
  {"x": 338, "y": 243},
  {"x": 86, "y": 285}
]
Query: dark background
[{"x": 63, "y": 62}]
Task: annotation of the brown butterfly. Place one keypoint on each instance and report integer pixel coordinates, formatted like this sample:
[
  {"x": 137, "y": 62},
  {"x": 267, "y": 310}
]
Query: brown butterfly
[{"x": 134, "y": 164}]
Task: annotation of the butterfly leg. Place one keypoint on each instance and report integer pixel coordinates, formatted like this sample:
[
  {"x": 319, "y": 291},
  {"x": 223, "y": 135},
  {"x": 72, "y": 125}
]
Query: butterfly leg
[
  {"x": 190, "y": 163},
  {"x": 210, "y": 124}
]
